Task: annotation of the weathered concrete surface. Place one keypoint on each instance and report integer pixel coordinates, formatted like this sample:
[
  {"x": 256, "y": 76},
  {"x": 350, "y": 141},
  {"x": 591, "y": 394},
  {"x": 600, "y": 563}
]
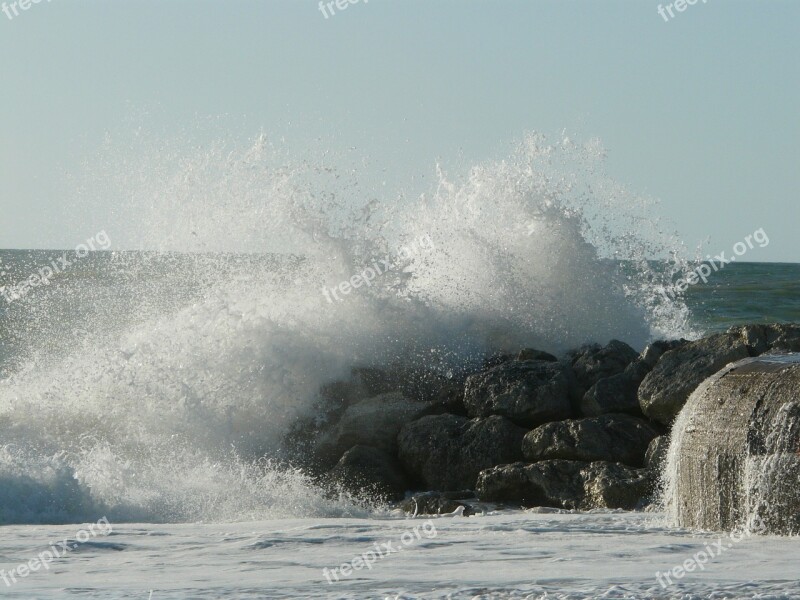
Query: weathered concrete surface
[{"x": 734, "y": 458}]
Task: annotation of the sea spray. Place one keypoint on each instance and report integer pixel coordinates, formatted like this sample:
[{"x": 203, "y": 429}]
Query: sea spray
[{"x": 167, "y": 397}]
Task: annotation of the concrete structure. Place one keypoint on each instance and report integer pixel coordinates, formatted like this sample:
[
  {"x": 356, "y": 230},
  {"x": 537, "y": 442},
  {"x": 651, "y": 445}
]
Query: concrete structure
[{"x": 733, "y": 458}]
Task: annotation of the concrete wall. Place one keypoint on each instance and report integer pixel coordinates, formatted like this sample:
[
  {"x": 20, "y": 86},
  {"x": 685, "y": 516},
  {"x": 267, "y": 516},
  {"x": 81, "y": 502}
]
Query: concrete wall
[{"x": 734, "y": 451}]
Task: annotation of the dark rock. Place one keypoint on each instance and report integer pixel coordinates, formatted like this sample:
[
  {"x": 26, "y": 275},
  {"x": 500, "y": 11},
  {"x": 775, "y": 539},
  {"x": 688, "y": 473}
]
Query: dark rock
[
  {"x": 437, "y": 503},
  {"x": 565, "y": 484},
  {"x": 458, "y": 495},
  {"x": 527, "y": 392},
  {"x": 613, "y": 438},
  {"x": 775, "y": 337},
  {"x": 374, "y": 382},
  {"x": 576, "y": 353},
  {"x": 656, "y": 454},
  {"x": 372, "y": 422},
  {"x": 616, "y": 394},
  {"x": 531, "y": 354},
  {"x": 416, "y": 383},
  {"x": 783, "y": 337},
  {"x": 446, "y": 452},
  {"x": 556, "y": 483},
  {"x": 677, "y": 374},
  {"x": 654, "y": 351},
  {"x": 369, "y": 472},
  {"x": 336, "y": 396},
  {"x": 302, "y": 437},
  {"x": 496, "y": 359},
  {"x": 593, "y": 363},
  {"x": 614, "y": 485}
]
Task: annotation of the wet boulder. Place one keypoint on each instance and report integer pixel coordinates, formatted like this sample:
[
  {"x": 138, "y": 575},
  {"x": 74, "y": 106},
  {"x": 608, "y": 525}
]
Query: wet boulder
[
  {"x": 369, "y": 473},
  {"x": 593, "y": 363},
  {"x": 439, "y": 503},
  {"x": 533, "y": 354},
  {"x": 773, "y": 337},
  {"x": 614, "y": 485},
  {"x": 565, "y": 484},
  {"x": 446, "y": 452},
  {"x": 371, "y": 422},
  {"x": 616, "y": 394},
  {"x": 656, "y": 455},
  {"x": 556, "y": 483},
  {"x": 527, "y": 392},
  {"x": 620, "y": 393},
  {"x": 415, "y": 382},
  {"x": 654, "y": 351},
  {"x": 677, "y": 374},
  {"x": 612, "y": 438}
]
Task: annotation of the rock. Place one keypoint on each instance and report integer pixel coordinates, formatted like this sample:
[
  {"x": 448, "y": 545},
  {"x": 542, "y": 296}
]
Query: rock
[
  {"x": 783, "y": 337},
  {"x": 556, "y": 483},
  {"x": 612, "y": 438},
  {"x": 527, "y": 392},
  {"x": 339, "y": 394},
  {"x": 657, "y": 454},
  {"x": 616, "y": 394},
  {"x": 531, "y": 354},
  {"x": 775, "y": 337},
  {"x": 614, "y": 485},
  {"x": 565, "y": 484},
  {"x": 365, "y": 471},
  {"x": 680, "y": 370},
  {"x": 496, "y": 359},
  {"x": 414, "y": 382},
  {"x": 593, "y": 363},
  {"x": 372, "y": 422},
  {"x": 302, "y": 437},
  {"x": 446, "y": 452},
  {"x": 438, "y": 503},
  {"x": 654, "y": 351},
  {"x": 735, "y": 463},
  {"x": 677, "y": 374}
]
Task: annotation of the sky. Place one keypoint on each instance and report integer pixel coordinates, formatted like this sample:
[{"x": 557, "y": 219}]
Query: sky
[{"x": 699, "y": 110}]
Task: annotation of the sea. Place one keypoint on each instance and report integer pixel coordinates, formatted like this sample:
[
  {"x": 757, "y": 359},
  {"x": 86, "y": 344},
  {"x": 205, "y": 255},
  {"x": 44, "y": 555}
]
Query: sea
[{"x": 146, "y": 389}]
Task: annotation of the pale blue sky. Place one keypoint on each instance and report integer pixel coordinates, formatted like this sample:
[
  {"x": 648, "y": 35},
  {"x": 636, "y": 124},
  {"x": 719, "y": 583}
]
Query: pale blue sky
[{"x": 701, "y": 112}]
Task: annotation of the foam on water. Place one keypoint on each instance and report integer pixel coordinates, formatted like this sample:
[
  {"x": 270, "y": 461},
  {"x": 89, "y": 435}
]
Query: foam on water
[{"x": 166, "y": 396}]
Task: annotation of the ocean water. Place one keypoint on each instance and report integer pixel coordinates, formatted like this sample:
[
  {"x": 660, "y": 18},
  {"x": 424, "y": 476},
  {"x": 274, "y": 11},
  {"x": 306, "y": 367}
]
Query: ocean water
[
  {"x": 746, "y": 293},
  {"x": 153, "y": 384}
]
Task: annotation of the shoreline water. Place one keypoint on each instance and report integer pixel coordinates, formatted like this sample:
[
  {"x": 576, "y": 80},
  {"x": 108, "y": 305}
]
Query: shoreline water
[{"x": 511, "y": 555}]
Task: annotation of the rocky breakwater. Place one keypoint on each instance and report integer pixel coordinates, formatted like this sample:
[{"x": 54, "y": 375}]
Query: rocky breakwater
[{"x": 587, "y": 430}]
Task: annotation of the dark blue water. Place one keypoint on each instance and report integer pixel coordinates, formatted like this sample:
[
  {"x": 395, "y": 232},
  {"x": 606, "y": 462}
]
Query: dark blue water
[{"x": 747, "y": 293}]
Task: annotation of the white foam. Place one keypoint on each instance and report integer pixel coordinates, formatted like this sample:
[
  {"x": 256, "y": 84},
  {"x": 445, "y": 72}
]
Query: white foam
[{"x": 187, "y": 374}]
